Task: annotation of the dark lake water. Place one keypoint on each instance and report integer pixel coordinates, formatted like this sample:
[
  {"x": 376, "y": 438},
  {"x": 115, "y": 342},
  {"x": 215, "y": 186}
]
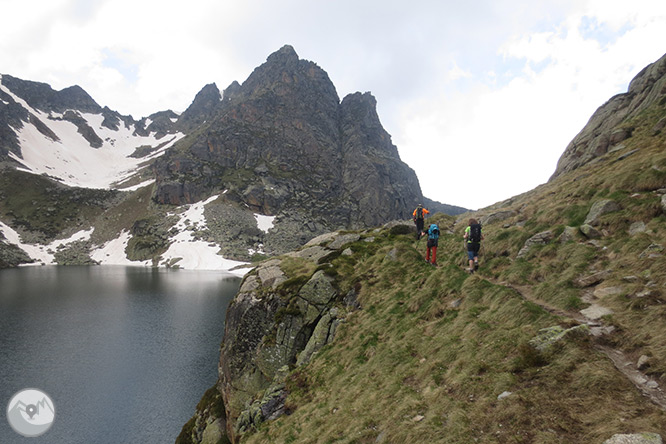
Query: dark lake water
[{"x": 125, "y": 353}]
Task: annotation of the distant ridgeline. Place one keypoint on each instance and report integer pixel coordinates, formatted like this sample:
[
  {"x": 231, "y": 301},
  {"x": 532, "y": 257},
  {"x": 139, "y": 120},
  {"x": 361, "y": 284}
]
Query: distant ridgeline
[{"x": 281, "y": 144}]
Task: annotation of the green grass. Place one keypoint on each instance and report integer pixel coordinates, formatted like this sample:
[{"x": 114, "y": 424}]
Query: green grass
[{"x": 440, "y": 344}]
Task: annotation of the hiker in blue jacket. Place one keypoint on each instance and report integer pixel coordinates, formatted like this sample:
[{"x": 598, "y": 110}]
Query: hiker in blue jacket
[{"x": 433, "y": 240}]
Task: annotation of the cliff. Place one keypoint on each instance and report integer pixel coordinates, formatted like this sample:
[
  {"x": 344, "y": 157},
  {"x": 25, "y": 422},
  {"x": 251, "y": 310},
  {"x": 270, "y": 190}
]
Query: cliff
[{"x": 616, "y": 120}]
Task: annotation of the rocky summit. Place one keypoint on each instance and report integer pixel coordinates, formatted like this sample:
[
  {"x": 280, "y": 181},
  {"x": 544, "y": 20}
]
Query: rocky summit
[
  {"x": 258, "y": 169},
  {"x": 282, "y": 143}
]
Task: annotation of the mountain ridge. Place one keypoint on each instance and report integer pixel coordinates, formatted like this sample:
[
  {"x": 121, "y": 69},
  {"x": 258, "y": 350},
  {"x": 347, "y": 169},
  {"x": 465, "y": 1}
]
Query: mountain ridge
[
  {"x": 611, "y": 124},
  {"x": 273, "y": 145}
]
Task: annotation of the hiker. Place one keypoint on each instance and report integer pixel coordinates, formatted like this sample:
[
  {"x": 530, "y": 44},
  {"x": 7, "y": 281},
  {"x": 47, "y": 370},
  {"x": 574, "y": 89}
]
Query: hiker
[
  {"x": 473, "y": 236},
  {"x": 433, "y": 240},
  {"x": 419, "y": 215}
]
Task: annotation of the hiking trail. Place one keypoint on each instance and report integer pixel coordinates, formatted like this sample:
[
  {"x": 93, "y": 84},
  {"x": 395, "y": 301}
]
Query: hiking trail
[{"x": 646, "y": 385}]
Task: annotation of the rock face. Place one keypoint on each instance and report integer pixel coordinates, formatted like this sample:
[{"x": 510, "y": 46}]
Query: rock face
[
  {"x": 282, "y": 143},
  {"x": 279, "y": 319},
  {"x": 610, "y": 125}
]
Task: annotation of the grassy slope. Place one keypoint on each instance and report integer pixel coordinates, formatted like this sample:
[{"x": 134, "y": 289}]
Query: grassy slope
[
  {"x": 409, "y": 367},
  {"x": 37, "y": 204}
]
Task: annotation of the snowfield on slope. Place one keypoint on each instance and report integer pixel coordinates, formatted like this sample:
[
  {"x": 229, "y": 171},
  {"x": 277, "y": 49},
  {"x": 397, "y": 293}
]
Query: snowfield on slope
[
  {"x": 198, "y": 254},
  {"x": 184, "y": 250},
  {"x": 72, "y": 160}
]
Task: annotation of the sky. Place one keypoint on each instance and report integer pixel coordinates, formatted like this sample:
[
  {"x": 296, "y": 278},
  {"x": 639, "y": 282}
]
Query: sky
[{"x": 480, "y": 98}]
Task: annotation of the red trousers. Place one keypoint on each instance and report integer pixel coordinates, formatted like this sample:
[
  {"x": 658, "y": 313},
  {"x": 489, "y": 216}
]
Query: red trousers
[{"x": 434, "y": 255}]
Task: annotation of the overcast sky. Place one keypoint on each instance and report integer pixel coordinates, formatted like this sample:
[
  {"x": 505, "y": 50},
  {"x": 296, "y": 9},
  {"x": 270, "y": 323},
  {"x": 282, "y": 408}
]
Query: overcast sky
[{"x": 481, "y": 98}]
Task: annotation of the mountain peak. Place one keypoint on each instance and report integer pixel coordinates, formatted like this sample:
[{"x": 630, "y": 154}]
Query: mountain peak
[
  {"x": 41, "y": 96},
  {"x": 202, "y": 108},
  {"x": 284, "y": 55}
]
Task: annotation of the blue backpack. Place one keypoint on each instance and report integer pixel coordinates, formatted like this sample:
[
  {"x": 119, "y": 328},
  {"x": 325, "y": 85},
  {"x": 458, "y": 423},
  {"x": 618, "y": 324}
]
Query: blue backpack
[{"x": 433, "y": 232}]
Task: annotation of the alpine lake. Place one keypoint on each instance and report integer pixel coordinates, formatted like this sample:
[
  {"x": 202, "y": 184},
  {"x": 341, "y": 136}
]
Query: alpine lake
[{"x": 124, "y": 353}]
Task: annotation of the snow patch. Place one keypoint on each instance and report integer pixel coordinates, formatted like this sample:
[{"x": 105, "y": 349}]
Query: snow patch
[
  {"x": 189, "y": 253},
  {"x": 113, "y": 252},
  {"x": 264, "y": 223},
  {"x": 136, "y": 187},
  {"x": 42, "y": 254}
]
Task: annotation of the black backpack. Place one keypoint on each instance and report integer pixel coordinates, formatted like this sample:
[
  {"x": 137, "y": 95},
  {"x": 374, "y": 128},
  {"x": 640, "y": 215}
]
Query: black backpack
[
  {"x": 419, "y": 213},
  {"x": 475, "y": 233}
]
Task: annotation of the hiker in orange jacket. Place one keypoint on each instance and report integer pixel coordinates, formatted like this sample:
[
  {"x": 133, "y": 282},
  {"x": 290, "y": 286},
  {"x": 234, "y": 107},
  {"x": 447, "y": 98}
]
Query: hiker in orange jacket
[{"x": 419, "y": 216}]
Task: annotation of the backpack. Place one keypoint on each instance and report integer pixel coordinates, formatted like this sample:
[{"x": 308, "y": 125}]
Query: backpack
[
  {"x": 475, "y": 233},
  {"x": 419, "y": 213},
  {"x": 433, "y": 232}
]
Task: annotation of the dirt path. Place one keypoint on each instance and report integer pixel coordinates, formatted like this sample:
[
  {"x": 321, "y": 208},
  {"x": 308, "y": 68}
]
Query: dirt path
[{"x": 647, "y": 386}]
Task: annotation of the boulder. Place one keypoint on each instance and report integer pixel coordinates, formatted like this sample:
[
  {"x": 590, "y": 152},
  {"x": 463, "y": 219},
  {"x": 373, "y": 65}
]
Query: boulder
[
  {"x": 271, "y": 274},
  {"x": 538, "y": 239},
  {"x": 599, "y": 208},
  {"x": 569, "y": 234},
  {"x": 636, "y": 438},
  {"x": 592, "y": 279},
  {"x": 636, "y": 228},
  {"x": 322, "y": 239},
  {"x": 590, "y": 232},
  {"x": 312, "y": 254},
  {"x": 343, "y": 240},
  {"x": 652, "y": 251},
  {"x": 214, "y": 432},
  {"x": 659, "y": 126},
  {"x": 497, "y": 217},
  {"x": 595, "y": 311},
  {"x": 608, "y": 291},
  {"x": 549, "y": 336},
  {"x": 643, "y": 362}
]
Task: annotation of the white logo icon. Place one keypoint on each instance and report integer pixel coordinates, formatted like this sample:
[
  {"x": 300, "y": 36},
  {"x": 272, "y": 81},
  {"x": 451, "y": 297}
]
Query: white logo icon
[{"x": 30, "y": 412}]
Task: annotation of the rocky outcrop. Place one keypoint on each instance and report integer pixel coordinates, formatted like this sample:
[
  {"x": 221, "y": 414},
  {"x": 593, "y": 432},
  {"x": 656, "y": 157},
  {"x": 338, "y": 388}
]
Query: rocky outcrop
[
  {"x": 283, "y": 144},
  {"x": 611, "y": 124},
  {"x": 203, "y": 108},
  {"x": 286, "y": 310}
]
